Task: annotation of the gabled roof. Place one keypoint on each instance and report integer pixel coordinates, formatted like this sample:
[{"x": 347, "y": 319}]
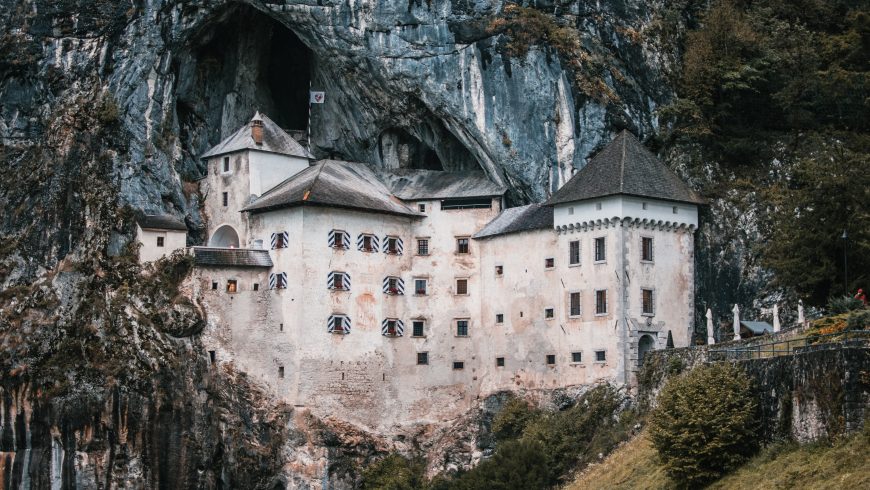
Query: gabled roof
[
  {"x": 625, "y": 166},
  {"x": 235, "y": 257},
  {"x": 160, "y": 222},
  {"x": 514, "y": 220},
  {"x": 275, "y": 140},
  {"x": 333, "y": 183},
  {"x": 414, "y": 184},
  {"x": 757, "y": 328}
]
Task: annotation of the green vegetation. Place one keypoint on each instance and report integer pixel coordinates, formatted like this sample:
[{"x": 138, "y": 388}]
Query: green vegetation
[
  {"x": 705, "y": 424},
  {"x": 776, "y": 93},
  {"x": 536, "y": 449}
]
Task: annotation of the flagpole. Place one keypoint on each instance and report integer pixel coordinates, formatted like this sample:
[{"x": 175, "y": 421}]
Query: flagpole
[{"x": 309, "y": 115}]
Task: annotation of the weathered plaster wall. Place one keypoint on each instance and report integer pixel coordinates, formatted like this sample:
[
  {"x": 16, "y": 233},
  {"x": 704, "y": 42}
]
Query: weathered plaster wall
[{"x": 149, "y": 251}]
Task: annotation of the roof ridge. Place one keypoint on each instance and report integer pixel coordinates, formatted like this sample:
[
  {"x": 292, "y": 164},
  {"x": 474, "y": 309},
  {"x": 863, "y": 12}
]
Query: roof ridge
[
  {"x": 307, "y": 192},
  {"x": 622, "y": 163}
]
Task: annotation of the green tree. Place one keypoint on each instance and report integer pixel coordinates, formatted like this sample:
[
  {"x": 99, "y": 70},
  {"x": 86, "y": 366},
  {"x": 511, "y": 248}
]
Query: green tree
[
  {"x": 394, "y": 472},
  {"x": 515, "y": 464},
  {"x": 706, "y": 424}
]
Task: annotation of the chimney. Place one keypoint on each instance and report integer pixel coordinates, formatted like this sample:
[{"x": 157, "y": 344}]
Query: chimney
[{"x": 257, "y": 129}]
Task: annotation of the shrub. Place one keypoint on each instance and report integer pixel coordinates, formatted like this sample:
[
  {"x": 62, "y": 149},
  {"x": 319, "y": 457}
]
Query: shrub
[
  {"x": 706, "y": 424},
  {"x": 513, "y": 418},
  {"x": 394, "y": 472},
  {"x": 858, "y": 320},
  {"x": 844, "y": 304},
  {"x": 516, "y": 464}
]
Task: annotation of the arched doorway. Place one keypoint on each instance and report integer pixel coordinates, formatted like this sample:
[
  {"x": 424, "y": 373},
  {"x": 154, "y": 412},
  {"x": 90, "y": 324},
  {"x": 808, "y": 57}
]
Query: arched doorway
[
  {"x": 225, "y": 236},
  {"x": 644, "y": 345}
]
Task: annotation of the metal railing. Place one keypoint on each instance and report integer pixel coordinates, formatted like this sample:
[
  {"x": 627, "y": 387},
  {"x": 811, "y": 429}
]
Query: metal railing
[{"x": 788, "y": 347}]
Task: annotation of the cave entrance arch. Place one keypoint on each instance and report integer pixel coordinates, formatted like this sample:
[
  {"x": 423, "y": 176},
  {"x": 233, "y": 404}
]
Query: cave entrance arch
[
  {"x": 225, "y": 237},
  {"x": 644, "y": 345}
]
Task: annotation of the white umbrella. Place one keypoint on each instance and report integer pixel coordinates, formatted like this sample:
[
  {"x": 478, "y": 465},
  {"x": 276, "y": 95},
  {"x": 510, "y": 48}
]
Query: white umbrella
[
  {"x": 801, "y": 319},
  {"x": 736, "y": 311},
  {"x": 710, "y": 339},
  {"x": 776, "y": 326}
]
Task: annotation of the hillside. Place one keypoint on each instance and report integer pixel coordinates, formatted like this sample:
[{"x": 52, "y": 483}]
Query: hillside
[{"x": 842, "y": 465}]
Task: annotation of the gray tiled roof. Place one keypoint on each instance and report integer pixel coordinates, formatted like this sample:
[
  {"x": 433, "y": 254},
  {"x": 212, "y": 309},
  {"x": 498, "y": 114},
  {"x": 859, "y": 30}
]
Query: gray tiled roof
[
  {"x": 757, "y": 327},
  {"x": 333, "y": 183},
  {"x": 522, "y": 218},
  {"x": 234, "y": 257},
  {"x": 625, "y": 166},
  {"x": 161, "y": 222},
  {"x": 412, "y": 184},
  {"x": 275, "y": 140}
]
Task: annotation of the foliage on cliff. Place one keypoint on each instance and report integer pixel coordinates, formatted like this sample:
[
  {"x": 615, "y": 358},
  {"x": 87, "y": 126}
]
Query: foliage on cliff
[
  {"x": 775, "y": 94},
  {"x": 705, "y": 424}
]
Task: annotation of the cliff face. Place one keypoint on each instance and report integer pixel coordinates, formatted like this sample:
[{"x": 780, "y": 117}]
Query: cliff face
[{"x": 104, "y": 107}]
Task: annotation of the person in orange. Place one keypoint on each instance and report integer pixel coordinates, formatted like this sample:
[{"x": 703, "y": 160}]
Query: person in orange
[{"x": 861, "y": 296}]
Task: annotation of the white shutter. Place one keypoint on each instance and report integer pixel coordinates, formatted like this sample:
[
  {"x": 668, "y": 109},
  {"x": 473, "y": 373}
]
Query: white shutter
[{"x": 272, "y": 280}]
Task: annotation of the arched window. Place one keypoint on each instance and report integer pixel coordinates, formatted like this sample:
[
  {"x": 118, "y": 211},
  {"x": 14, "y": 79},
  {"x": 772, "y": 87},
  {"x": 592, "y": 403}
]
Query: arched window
[
  {"x": 225, "y": 236},
  {"x": 644, "y": 345}
]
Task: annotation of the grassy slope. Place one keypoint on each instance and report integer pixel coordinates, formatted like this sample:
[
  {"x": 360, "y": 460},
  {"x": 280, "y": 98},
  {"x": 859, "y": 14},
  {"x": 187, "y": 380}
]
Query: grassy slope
[{"x": 845, "y": 465}]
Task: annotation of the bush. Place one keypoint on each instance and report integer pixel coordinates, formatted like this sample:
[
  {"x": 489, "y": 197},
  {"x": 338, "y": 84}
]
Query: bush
[
  {"x": 844, "y": 304},
  {"x": 858, "y": 320},
  {"x": 706, "y": 424},
  {"x": 513, "y": 418},
  {"x": 394, "y": 473},
  {"x": 516, "y": 464}
]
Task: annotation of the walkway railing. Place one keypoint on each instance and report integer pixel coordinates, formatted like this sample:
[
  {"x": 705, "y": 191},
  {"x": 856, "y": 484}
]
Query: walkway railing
[{"x": 788, "y": 347}]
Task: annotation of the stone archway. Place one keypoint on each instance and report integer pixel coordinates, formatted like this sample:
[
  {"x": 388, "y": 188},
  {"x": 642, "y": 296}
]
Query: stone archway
[
  {"x": 225, "y": 237},
  {"x": 644, "y": 345}
]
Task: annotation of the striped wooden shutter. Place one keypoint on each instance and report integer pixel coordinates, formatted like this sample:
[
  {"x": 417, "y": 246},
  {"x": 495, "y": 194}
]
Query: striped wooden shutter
[
  {"x": 345, "y": 240},
  {"x": 330, "y": 239},
  {"x": 400, "y": 285},
  {"x": 274, "y": 241},
  {"x": 359, "y": 241},
  {"x": 345, "y": 324},
  {"x": 386, "y": 241},
  {"x": 282, "y": 280},
  {"x": 347, "y": 281},
  {"x": 386, "y": 285},
  {"x": 330, "y": 280},
  {"x": 399, "y": 247},
  {"x": 286, "y": 236},
  {"x": 400, "y": 328},
  {"x": 375, "y": 242},
  {"x": 385, "y": 327},
  {"x": 273, "y": 278}
]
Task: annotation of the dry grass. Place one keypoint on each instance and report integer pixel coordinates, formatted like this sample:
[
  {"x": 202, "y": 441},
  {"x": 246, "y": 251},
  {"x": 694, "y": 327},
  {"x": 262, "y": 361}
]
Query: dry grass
[{"x": 815, "y": 466}]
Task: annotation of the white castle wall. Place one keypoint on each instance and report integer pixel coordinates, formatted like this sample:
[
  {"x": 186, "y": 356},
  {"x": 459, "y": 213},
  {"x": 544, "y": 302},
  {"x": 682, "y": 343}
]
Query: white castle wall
[{"x": 148, "y": 249}]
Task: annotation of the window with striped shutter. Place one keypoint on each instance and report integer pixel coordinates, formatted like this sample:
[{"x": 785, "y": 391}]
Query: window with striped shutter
[
  {"x": 339, "y": 239},
  {"x": 393, "y": 245},
  {"x": 339, "y": 281},
  {"x": 278, "y": 280},
  {"x": 394, "y": 285},
  {"x": 339, "y": 324},
  {"x": 367, "y": 242},
  {"x": 280, "y": 239},
  {"x": 392, "y": 327}
]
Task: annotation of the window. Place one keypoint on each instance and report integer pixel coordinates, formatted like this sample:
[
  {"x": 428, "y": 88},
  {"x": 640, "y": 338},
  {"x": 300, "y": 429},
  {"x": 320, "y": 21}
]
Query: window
[
  {"x": 225, "y": 197},
  {"x": 258, "y": 244},
  {"x": 393, "y": 245},
  {"x": 467, "y": 203},
  {"x": 278, "y": 281},
  {"x": 280, "y": 327},
  {"x": 600, "y": 249},
  {"x": 574, "y": 304},
  {"x": 462, "y": 287},
  {"x": 462, "y": 245},
  {"x": 422, "y": 246},
  {"x": 462, "y": 328},
  {"x": 214, "y": 285},
  {"x": 339, "y": 281},
  {"x": 281, "y": 239},
  {"x": 571, "y": 210},
  {"x": 422, "y": 358},
  {"x": 499, "y": 362},
  {"x": 256, "y": 286},
  {"x": 339, "y": 324},
  {"x": 674, "y": 209},
  {"x": 457, "y": 365},
  {"x": 160, "y": 241},
  {"x": 646, "y": 249},
  {"x": 549, "y": 313},
  {"x": 643, "y": 205},
  {"x": 394, "y": 285},
  {"x": 574, "y": 252},
  {"x": 280, "y": 371},
  {"x": 226, "y": 164},
  {"x": 551, "y": 359},
  {"x": 338, "y": 239},
  {"x": 600, "y": 356},
  {"x": 576, "y": 357},
  {"x": 549, "y": 263},
  {"x": 421, "y": 207},
  {"x": 232, "y": 286},
  {"x": 601, "y": 302},
  {"x": 211, "y": 357},
  {"x": 367, "y": 243},
  {"x": 647, "y": 301},
  {"x": 420, "y": 287},
  {"x": 598, "y": 206},
  {"x": 499, "y": 318},
  {"x": 418, "y": 328},
  {"x": 392, "y": 327},
  {"x": 499, "y": 270}
]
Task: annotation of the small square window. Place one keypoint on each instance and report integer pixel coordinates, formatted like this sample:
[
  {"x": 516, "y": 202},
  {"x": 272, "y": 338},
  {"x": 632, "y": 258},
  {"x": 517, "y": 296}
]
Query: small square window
[
  {"x": 574, "y": 252},
  {"x": 462, "y": 245},
  {"x": 225, "y": 198},
  {"x": 226, "y": 164},
  {"x": 576, "y": 357},
  {"x": 160, "y": 241},
  {"x": 392, "y": 245},
  {"x": 643, "y": 205},
  {"x": 232, "y": 286},
  {"x": 421, "y": 207},
  {"x": 418, "y": 328},
  {"x": 420, "y": 287},
  {"x": 462, "y": 287},
  {"x": 256, "y": 286},
  {"x": 549, "y": 263},
  {"x": 462, "y": 328},
  {"x": 598, "y": 206},
  {"x": 499, "y": 362},
  {"x": 600, "y": 249},
  {"x": 600, "y": 356},
  {"x": 549, "y": 313},
  {"x": 338, "y": 239},
  {"x": 422, "y": 358},
  {"x": 499, "y": 270},
  {"x": 551, "y": 359},
  {"x": 339, "y": 281},
  {"x": 458, "y": 365},
  {"x": 422, "y": 246},
  {"x": 214, "y": 285},
  {"x": 675, "y": 209},
  {"x": 280, "y": 371},
  {"x": 499, "y": 318},
  {"x": 571, "y": 210}
]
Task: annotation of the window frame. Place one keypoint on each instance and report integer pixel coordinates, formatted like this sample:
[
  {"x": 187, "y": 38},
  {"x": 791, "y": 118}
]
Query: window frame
[
  {"x": 161, "y": 241},
  {"x": 414, "y": 322},
  {"x": 344, "y": 281},
  {"x": 391, "y": 245},
  {"x": 456, "y": 286},
  {"x": 458, "y": 365},
  {"x": 458, "y": 328},
  {"x": 235, "y": 286},
  {"x": 652, "y": 300},
  {"x": 459, "y": 245},
  {"x": 598, "y": 312},
  {"x": 226, "y": 168},
  {"x": 421, "y": 207},
  {"x": 425, "y": 281},
  {"x": 424, "y": 360},
  {"x": 571, "y": 255},
  {"x": 579, "y": 313},
  {"x": 499, "y": 361},
  {"x": 338, "y": 239},
  {"x": 225, "y": 199},
  {"x": 603, "y": 249},
  {"x": 643, "y": 259},
  {"x": 550, "y": 359},
  {"x": 423, "y": 242},
  {"x": 603, "y": 356},
  {"x": 549, "y": 263},
  {"x": 576, "y": 357},
  {"x": 499, "y": 318},
  {"x": 549, "y": 313},
  {"x": 498, "y": 269}
]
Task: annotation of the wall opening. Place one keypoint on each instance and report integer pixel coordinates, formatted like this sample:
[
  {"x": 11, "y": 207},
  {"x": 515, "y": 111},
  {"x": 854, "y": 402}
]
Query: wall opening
[
  {"x": 644, "y": 345},
  {"x": 225, "y": 237},
  {"x": 398, "y": 149}
]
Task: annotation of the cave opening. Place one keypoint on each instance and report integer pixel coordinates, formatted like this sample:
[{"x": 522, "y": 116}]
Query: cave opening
[{"x": 398, "y": 149}]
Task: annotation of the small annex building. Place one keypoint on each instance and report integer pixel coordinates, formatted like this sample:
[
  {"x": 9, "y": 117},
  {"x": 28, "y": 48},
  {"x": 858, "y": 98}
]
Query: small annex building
[
  {"x": 389, "y": 296},
  {"x": 159, "y": 236}
]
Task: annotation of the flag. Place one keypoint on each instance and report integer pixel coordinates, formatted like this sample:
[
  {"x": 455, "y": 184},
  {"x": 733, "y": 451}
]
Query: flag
[{"x": 317, "y": 97}]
